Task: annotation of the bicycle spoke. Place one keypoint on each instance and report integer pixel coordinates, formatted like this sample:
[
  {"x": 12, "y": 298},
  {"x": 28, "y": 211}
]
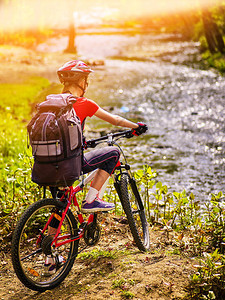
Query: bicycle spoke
[
  {"x": 30, "y": 249},
  {"x": 31, "y": 254}
]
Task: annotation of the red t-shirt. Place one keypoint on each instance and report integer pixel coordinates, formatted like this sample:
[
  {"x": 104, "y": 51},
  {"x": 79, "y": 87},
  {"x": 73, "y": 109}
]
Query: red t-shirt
[{"x": 85, "y": 108}]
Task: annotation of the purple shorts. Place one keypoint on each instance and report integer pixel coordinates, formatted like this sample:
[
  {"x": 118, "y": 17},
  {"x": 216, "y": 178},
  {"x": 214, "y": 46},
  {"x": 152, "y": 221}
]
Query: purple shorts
[{"x": 103, "y": 158}]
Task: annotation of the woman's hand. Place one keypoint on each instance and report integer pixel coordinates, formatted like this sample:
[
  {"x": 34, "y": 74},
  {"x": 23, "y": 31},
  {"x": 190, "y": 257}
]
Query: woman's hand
[{"x": 142, "y": 128}]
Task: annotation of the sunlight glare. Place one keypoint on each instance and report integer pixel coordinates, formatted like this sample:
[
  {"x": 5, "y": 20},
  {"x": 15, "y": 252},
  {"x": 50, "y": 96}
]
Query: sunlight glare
[{"x": 26, "y": 14}]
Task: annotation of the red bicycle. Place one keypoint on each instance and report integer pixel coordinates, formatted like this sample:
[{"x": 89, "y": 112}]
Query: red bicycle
[{"x": 31, "y": 242}]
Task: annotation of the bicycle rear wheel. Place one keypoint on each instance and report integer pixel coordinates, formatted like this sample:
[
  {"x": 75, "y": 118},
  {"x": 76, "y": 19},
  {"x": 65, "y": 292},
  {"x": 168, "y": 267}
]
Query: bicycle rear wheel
[
  {"x": 134, "y": 209},
  {"x": 29, "y": 253}
]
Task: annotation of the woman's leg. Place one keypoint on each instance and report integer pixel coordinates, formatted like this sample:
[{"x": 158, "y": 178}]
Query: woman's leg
[
  {"x": 100, "y": 178},
  {"x": 102, "y": 158},
  {"x": 105, "y": 159}
]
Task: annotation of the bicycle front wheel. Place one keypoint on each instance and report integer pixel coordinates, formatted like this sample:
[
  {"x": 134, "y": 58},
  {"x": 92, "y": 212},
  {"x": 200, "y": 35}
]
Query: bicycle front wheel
[
  {"x": 135, "y": 212},
  {"x": 30, "y": 248}
]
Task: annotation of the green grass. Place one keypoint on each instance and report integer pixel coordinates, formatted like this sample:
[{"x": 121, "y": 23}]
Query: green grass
[
  {"x": 16, "y": 103},
  {"x": 127, "y": 295},
  {"x": 16, "y": 99},
  {"x": 16, "y": 189},
  {"x": 216, "y": 61},
  {"x": 96, "y": 253}
]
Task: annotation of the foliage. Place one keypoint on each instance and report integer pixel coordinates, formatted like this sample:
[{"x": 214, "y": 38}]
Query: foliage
[
  {"x": 96, "y": 253},
  {"x": 209, "y": 31},
  {"x": 16, "y": 190},
  {"x": 124, "y": 286},
  {"x": 204, "y": 25},
  {"x": 208, "y": 281},
  {"x": 215, "y": 61},
  {"x": 15, "y": 109},
  {"x": 201, "y": 231},
  {"x": 182, "y": 212},
  {"x": 25, "y": 38}
]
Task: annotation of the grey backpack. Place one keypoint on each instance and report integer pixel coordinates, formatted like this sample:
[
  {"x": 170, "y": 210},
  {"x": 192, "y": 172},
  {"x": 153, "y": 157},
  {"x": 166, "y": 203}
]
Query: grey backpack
[{"x": 56, "y": 139}]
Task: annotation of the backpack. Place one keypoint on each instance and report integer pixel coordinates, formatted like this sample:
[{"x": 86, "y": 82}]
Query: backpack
[{"x": 56, "y": 139}]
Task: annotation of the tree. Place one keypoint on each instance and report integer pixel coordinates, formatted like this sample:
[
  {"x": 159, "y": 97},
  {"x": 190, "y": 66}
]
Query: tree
[
  {"x": 71, "y": 48},
  {"x": 212, "y": 33}
]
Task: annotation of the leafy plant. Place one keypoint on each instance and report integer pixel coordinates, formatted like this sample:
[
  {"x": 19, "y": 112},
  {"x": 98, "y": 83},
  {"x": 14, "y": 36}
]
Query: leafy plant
[
  {"x": 208, "y": 281},
  {"x": 96, "y": 253},
  {"x": 124, "y": 286}
]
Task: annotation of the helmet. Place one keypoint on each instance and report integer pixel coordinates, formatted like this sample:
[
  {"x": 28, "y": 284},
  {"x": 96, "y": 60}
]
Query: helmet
[{"x": 73, "y": 70}]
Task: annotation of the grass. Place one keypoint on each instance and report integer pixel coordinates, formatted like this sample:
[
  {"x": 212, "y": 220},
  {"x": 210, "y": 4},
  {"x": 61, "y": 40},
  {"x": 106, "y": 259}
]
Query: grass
[
  {"x": 127, "y": 295},
  {"x": 97, "y": 253},
  {"x": 216, "y": 61},
  {"x": 16, "y": 190},
  {"x": 124, "y": 285},
  {"x": 16, "y": 102}
]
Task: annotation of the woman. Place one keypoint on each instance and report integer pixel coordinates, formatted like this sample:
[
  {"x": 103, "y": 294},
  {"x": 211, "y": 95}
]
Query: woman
[{"x": 73, "y": 75}]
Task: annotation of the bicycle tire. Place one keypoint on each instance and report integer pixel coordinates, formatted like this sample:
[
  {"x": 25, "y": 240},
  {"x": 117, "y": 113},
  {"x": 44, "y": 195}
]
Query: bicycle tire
[
  {"x": 135, "y": 212},
  {"x": 27, "y": 264}
]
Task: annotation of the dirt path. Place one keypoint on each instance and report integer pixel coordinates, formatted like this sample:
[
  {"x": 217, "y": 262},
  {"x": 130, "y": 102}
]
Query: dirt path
[{"x": 125, "y": 273}]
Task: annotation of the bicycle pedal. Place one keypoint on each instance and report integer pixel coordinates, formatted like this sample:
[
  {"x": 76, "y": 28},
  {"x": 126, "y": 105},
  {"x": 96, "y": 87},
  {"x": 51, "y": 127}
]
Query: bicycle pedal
[{"x": 82, "y": 227}]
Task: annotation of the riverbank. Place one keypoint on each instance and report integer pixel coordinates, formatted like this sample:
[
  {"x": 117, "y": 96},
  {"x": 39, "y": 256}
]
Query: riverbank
[
  {"x": 114, "y": 268},
  {"x": 183, "y": 108},
  {"x": 186, "y": 145}
]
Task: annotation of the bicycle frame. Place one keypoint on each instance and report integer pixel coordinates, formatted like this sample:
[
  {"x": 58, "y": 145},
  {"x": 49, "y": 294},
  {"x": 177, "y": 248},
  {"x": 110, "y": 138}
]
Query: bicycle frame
[{"x": 72, "y": 191}]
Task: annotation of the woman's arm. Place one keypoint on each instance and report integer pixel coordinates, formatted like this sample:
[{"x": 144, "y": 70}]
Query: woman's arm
[{"x": 114, "y": 119}]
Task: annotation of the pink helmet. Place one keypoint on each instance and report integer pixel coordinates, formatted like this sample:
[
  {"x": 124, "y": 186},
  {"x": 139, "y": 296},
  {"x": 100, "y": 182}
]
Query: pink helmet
[{"x": 73, "y": 70}]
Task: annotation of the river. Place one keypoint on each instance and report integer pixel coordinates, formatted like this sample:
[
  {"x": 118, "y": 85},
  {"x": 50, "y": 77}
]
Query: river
[{"x": 156, "y": 79}]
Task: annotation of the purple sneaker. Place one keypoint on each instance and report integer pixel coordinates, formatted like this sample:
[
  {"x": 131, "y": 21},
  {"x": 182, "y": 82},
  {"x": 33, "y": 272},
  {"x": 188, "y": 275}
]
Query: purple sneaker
[
  {"x": 96, "y": 205},
  {"x": 50, "y": 265}
]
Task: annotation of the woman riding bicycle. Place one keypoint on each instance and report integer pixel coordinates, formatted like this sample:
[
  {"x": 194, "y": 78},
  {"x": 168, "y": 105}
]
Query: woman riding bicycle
[{"x": 74, "y": 77}]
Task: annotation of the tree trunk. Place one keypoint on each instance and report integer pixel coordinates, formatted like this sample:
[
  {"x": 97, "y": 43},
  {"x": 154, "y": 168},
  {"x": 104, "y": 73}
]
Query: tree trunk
[
  {"x": 213, "y": 36},
  {"x": 71, "y": 48}
]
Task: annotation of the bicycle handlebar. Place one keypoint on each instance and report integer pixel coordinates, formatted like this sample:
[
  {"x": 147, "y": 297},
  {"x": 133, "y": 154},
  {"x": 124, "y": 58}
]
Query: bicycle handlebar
[{"x": 110, "y": 136}]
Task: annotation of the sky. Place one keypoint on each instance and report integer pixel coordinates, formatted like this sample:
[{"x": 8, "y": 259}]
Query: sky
[{"x": 23, "y": 14}]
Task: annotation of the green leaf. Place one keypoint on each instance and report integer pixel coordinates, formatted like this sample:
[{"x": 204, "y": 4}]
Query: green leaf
[
  {"x": 185, "y": 200},
  {"x": 159, "y": 185},
  {"x": 158, "y": 197},
  {"x": 183, "y": 194},
  {"x": 151, "y": 183},
  {"x": 177, "y": 195},
  {"x": 164, "y": 189},
  {"x": 192, "y": 196},
  {"x": 219, "y": 195},
  {"x": 149, "y": 170},
  {"x": 140, "y": 173}
]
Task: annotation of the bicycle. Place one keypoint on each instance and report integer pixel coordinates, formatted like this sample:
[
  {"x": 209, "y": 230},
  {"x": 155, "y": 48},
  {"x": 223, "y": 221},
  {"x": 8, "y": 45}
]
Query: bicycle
[{"x": 31, "y": 242}]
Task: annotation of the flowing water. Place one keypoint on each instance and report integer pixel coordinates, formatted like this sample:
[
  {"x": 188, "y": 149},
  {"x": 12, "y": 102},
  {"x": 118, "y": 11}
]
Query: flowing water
[{"x": 153, "y": 79}]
